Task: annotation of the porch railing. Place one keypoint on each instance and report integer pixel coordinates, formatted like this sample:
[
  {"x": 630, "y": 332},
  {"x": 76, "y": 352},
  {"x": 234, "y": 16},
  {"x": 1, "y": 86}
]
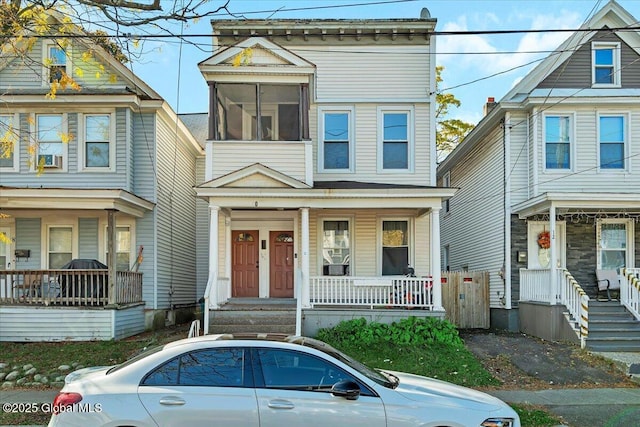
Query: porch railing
[
  {"x": 535, "y": 285},
  {"x": 577, "y": 302},
  {"x": 88, "y": 287},
  {"x": 372, "y": 292},
  {"x": 630, "y": 290}
]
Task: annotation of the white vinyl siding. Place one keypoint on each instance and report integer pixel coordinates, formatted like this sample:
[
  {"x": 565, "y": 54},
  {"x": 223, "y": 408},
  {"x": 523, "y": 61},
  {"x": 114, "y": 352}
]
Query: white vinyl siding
[
  {"x": 474, "y": 228},
  {"x": 586, "y": 173},
  {"x": 519, "y": 156}
]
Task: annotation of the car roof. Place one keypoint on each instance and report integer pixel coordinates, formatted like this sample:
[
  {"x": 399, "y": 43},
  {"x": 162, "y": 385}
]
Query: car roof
[{"x": 249, "y": 336}]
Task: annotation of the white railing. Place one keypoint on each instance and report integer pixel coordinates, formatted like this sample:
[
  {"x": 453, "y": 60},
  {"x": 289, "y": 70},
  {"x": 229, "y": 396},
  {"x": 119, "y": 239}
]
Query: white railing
[
  {"x": 630, "y": 290},
  {"x": 535, "y": 285},
  {"x": 577, "y": 302},
  {"x": 372, "y": 292},
  {"x": 220, "y": 287}
]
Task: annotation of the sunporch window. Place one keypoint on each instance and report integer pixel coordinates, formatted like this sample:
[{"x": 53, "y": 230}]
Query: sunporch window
[
  {"x": 336, "y": 248},
  {"x": 613, "y": 244},
  {"x": 395, "y": 247},
  {"x": 60, "y": 246},
  {"x": 258, "y": 112}
]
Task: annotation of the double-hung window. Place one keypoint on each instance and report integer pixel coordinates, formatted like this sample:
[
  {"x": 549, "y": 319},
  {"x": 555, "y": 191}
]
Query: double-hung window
[
  {"x": 56, "y": 62},
  {"x": 9, "y": 142},
  {"x": 605, "y": 60},
  {"x": 395, "y": 247},
  {"x": 336, "y": 248},
  {"x": 123, "y": 247},
  {"x": 97, "y": 135},
  {"x": 50, "y": 134},
  {"x": 615, "y": 244},
  {"x": 558, "y": 135},
  {"x": 612, "y": 141},
  {"x": 395, "y": 139},
  {"x": 59, "y": 245},
  {"x": 336, "y": 140}
]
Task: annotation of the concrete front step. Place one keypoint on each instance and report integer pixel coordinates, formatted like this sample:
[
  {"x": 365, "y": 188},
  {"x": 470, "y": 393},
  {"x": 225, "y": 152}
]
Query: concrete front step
[
  {"x": 254, "y": 315},
  {"x": 613, "y": 344},
  {"x": 612, "y": 328}
]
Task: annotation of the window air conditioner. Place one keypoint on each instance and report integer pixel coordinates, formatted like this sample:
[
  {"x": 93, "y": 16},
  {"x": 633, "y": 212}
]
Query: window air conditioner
[{"x": 50, "y": 161}]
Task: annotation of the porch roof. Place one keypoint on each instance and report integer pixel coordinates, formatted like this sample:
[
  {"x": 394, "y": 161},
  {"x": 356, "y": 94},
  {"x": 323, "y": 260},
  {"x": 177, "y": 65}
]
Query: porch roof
[
  {"x": 586, "y": 201},
  {"x": 66, "y": 198}
]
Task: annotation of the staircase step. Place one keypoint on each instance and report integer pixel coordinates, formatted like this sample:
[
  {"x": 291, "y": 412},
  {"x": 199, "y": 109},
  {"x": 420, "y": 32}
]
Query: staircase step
[
  {"x": 235, "y": 329},
  {"x": 613, "y": 344}
]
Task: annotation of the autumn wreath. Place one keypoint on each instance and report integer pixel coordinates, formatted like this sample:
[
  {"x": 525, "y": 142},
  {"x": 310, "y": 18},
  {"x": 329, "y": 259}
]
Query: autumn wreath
[{"x": 544, "y": 240}]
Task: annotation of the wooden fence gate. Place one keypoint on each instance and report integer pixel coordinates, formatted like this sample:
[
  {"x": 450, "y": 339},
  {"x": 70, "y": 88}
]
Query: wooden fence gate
[{"x": 465, "y": 297}]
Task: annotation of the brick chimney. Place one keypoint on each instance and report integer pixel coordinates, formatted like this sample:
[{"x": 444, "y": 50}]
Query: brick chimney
[{"x": 490, "y": 105}]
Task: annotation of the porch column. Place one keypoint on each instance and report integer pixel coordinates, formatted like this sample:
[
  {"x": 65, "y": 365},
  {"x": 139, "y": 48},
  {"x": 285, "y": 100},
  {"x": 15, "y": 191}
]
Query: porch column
[
  {"x": 111, "y": 256},
  {"x": 304, "y": 262},
  {"x": 553, "y": 280},
  {"x": 436, "y": 268},
  {"x": 212, "y": 285}
]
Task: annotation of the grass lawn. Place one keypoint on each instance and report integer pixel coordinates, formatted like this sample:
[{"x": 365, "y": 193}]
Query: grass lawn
[{"x": 445, "y": 361}]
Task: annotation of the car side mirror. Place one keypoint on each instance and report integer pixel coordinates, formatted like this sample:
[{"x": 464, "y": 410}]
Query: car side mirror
[{"x": 347, "y": 389}]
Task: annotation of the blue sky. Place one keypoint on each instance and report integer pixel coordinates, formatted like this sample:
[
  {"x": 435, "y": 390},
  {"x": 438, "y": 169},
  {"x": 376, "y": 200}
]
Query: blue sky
[{"x": 172, "y": 70}]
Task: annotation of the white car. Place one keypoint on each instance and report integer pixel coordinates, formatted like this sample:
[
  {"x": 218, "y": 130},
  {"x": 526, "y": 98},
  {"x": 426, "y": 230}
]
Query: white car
[{"x": 259, "y": 380}]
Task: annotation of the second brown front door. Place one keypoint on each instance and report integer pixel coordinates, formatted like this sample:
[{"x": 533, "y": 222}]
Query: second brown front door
[
  {"x": 281, "y": 264},
  {"x": 245, "y": 277}
]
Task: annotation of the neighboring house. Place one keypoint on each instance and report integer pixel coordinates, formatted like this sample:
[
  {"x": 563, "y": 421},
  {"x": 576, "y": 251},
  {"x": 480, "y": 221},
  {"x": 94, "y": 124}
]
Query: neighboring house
[
  {"x": 550, "y": 183},
  {"x": 320, "y": 167},
  {"x": 114, "y": 153}
]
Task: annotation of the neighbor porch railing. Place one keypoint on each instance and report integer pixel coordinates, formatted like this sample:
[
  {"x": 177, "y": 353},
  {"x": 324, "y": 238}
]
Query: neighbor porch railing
[
  {"x": 88, "y": 287},
  {"x": 576, "y": 300},
  {"x": 630, "y": 290},
  {"x": 372, "y": 292}
]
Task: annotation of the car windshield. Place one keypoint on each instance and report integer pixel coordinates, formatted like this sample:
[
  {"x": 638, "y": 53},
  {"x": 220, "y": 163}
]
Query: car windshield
[
  {"x": 145, "y": 352},
  {"x": 385, "y": 380}
]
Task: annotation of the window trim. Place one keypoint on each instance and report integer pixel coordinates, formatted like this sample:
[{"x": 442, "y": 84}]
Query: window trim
[
  {"x": 14, "y": 118},
  {"x": 572, "y": 144},
  {"x": 630, "y": 234},
  {"x": 322, "y": 111},
  {"x": 320, "y": 234},
  {"x": 625, "y": 152},
  {"x": 616, "y": 53},
  {"x": 47, "y": 224},
  {"x": 380, "y": 112},
  {"x": 82, "y": 143},
  {"x": 102, "y": 238},
  {"x": 45, "y": 56},
  {"x": 33, "y": 128},
  {"x": 410, "y": 241}
]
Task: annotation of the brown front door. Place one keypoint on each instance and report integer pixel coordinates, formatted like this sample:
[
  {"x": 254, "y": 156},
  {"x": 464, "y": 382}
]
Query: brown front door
[
  {"x": 245, "y": 264},
  {"x": 281, "y": 264}
]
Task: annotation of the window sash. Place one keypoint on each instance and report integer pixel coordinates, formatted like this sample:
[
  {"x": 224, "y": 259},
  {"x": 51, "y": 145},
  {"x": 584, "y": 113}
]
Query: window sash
[
  {"x": 336, "y": 137},
  {"x": 97, "y": 137},
  {"x": 395, "y": 151},
  {"x": 123, "y": 247},
  {"x": 612, "y": 245},
  {"x": 612, "y": 142},
  {"x": 59, "y": 246},
  {"x": 558, "y": 142},
  {"x": 336, "y": 247},
  {"x": 395, "y": 247}
]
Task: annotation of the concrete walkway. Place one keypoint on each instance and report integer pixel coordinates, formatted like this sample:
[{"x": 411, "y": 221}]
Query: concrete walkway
[{"x": 597, "y": 407}]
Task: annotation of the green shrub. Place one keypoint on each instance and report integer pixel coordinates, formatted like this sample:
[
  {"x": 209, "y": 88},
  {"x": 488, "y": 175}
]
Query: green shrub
[{"x": 409, "y": 331}]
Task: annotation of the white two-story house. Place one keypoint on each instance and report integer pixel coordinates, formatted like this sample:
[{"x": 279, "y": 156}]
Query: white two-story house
[
  {"x": 550, "y": 183},
  {"x": 104, "y": 168},
  {"x": 320, "y": 174}
]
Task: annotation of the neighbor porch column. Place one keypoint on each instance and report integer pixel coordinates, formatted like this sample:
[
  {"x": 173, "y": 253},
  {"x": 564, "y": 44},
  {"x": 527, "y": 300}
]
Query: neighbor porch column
[
  {"x": 553, "y": 280},
  {"x": 436, "y": 268},
  {"x": 212, "y": 285},
  {"x": 304, "y": 262}
]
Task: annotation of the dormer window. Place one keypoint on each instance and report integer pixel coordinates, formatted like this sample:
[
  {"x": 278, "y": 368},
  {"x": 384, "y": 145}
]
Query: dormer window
[{"x": 605, "y": 58}]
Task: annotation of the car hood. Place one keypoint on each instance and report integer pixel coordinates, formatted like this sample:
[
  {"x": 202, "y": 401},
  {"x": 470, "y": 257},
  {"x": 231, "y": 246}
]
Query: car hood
[
  {"x": 419, "y": 388},
  {"x": 86, "y": 373}
]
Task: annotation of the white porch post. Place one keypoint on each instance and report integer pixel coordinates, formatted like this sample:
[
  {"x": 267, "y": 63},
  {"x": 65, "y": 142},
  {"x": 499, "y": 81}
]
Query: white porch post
[
  {"x": 436, "y": 268},
  {"x": 304, "y": 262},
  {"x": 211, "y": 294},
  {"x": 111, "y": 256},
  {"x": 553, "y": 280}
]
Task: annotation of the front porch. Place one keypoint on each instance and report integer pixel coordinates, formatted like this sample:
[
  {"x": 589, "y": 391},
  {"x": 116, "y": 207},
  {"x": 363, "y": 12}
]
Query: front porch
[{"x": 62, "y": 305}]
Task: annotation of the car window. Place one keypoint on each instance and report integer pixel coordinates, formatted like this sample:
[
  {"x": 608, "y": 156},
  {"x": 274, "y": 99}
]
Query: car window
[
  {"x": 298, "y": 371},
  {"x": 220, "y": 367}
]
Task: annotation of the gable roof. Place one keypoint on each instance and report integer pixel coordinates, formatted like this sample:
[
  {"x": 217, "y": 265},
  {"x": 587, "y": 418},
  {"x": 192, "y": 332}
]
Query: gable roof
[
  {"x": 266, "y": 55},
  {"x": 612, "y": 15},
  {"x": 254, "y": 175}
]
